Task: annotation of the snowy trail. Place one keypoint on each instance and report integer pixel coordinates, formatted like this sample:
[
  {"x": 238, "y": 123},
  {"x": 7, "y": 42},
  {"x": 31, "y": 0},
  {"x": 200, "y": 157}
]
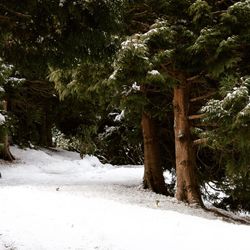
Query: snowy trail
[{"x": 57, "y": 201}]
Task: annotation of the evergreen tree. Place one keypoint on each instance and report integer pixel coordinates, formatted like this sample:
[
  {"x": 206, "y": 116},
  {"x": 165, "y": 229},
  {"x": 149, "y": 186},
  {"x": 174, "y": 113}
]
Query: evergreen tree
[
  {"x": 5, "y": 153},
  {"x": 229, "y": 111},
  {"x": 189, "y": 46},
  {"x": 160, "y": 55},
  {"x": 38, "y": 35}
]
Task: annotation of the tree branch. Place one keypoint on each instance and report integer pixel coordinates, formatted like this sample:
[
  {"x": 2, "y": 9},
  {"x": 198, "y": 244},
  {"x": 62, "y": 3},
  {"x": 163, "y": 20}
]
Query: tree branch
[
  {"x": 14, "y": 12},
  {"x": 200, "y": 141},
  {"x": 194, "y": 117},
  {"x": 5, "y": 18},
  {"x": 172, "y": 73},
  {"x": 193, "y": 78},
  {"x": 203, "y": 96},
  {"x": 144, "y": 25},
  {"x": 213, "y": 125}
]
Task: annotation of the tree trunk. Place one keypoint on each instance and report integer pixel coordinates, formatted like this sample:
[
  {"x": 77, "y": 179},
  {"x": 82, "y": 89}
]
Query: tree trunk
[
  {"x": 5, "y": 151},
  {"x": 153, "y": 172},
  {"x": 46, "y": 131},
  {"x": 187, "y": 181}
]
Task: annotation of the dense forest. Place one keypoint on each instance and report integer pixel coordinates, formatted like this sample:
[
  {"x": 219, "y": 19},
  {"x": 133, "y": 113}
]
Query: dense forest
[{"x": 156, "y": 82}]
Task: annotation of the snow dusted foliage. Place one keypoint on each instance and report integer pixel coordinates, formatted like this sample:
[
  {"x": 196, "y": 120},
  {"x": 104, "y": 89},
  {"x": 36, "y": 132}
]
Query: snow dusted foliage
[
  {"x": 241, "y": 11},
  {"x": 8, "y": 75},
  {"x": 136, "y": 68},
  {"x": 230, "y": 137},
  {"x": 199, "y": 9},
  {"x": 4, "y": 75},
  {"x": 61, "y": 141},
  {"x": 133, "y": 56},
  {"x": 233, "y": 109}
]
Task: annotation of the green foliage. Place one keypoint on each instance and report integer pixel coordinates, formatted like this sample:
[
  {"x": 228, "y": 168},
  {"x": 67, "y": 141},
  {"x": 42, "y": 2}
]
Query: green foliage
[
  {"x": 241, "y": 13},
  {"x": 200, "y": 10},
  {"x": 5, "y": 73},
  {"x": 68, "y": 37},
  {"x": 109, "y": 61},
  {"x": 58, "y": 32},
  {"x": 231, "y": 114}
]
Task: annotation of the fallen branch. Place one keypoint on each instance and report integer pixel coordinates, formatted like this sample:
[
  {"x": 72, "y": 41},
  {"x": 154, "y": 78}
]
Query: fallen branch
[{"x": 227, "y": 216}]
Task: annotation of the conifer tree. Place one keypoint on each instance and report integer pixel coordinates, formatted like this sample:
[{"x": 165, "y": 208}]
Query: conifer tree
[
  {"x": 229, "y": 111},
  {"x": 38, "y": 35},
  {"x": 135, "y": 87},
  {"x": 5, "y": 153}
]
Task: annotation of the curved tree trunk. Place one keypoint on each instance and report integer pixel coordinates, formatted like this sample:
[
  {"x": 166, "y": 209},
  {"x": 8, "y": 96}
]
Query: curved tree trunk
[
  {"x": 153, "y": 172},
  {"x": 187, "y": 181}
]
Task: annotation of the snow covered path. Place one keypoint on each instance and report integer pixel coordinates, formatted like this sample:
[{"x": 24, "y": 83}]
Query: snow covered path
[{"x": 54, "y": 200}]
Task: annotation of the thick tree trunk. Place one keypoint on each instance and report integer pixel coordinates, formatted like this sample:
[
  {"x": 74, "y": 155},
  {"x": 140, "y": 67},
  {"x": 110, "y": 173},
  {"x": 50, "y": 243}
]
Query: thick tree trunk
[
  {"x": 187, "y": 181},
  {"x": 153, "y": 172},
  {"x": 5, "y": 151}
]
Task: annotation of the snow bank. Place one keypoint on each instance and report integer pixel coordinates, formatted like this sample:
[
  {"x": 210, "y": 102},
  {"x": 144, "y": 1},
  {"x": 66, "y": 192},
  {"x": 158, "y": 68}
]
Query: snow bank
[{"x": 53, "y": 200}]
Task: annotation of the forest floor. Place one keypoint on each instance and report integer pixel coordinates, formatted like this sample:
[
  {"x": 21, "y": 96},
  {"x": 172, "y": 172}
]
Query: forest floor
[{"x": 53, "y": 200}]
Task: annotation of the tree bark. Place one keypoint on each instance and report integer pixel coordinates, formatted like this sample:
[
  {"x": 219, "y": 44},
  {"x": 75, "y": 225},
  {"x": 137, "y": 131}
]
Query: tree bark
[
  {"x": 153, "y": 171},
  {"x": 187, "y": 181}
]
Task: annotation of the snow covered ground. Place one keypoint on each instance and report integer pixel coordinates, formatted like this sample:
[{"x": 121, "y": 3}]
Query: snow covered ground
[{"x": 53, "y": 200}]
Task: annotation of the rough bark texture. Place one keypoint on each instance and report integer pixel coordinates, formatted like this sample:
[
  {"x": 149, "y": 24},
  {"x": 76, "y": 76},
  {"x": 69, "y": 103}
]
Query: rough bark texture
[
  {"x": 153, "y": 172},
  {"x": 187, "y": 182}
]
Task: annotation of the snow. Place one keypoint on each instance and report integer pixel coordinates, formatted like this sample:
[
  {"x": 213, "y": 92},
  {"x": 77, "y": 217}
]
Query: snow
[
  {"x": 15, "y": 79},
  {"x": 136, "y": 87},
  {"x": 113, "y": 75},
  {"x": 134, "y": 43},
  {"x": 53, "y": 200},
  {"x": 237, "y": 92},
  {"x": 61, "y": 3},
  {"x": 154, "y": 72},
  {"x": 2, "y": 119},
  {"x": 120, "y": 116}
]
